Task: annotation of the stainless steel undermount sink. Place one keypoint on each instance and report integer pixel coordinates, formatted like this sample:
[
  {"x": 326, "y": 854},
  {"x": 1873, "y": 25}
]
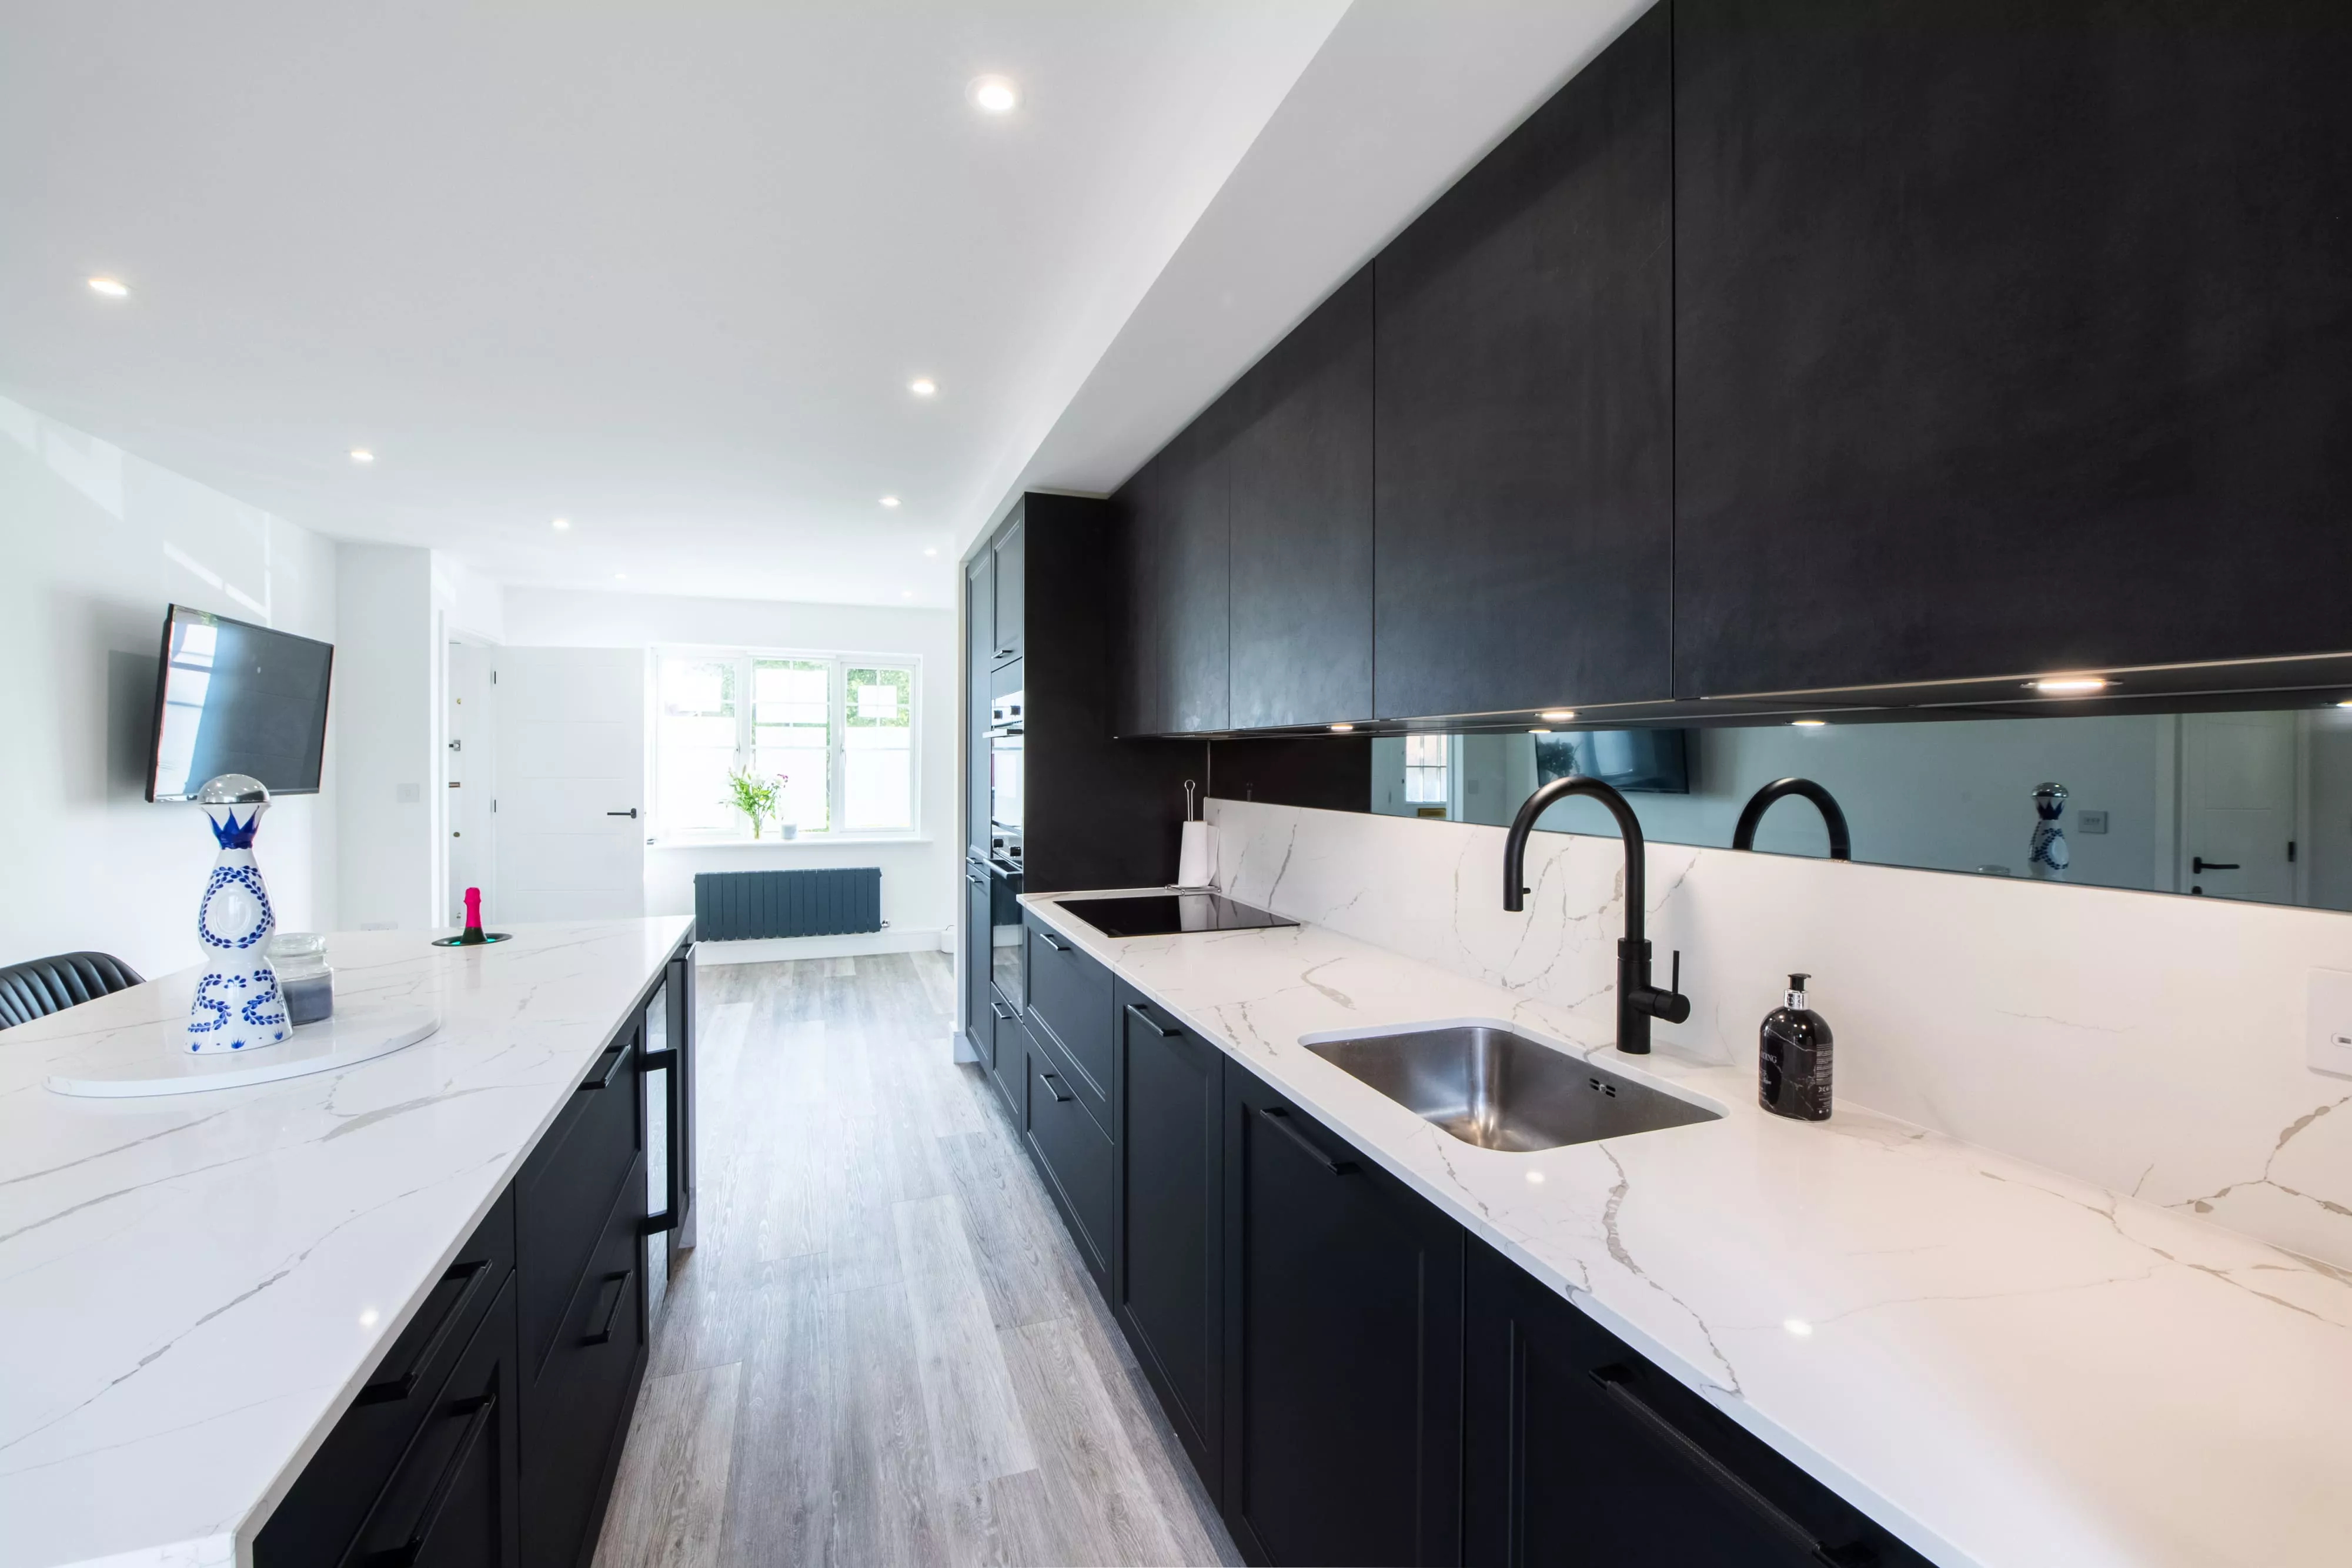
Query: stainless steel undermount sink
[{"x": 1497, "y": 1090}]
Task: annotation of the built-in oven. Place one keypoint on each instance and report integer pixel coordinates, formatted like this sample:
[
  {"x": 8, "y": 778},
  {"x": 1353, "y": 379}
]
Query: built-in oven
[{"x": 1006, "y": 729}]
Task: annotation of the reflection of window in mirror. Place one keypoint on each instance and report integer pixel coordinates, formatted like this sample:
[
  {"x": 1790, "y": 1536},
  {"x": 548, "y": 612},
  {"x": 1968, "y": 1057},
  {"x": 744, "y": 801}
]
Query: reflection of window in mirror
[{"x": 1428, "y": 769}]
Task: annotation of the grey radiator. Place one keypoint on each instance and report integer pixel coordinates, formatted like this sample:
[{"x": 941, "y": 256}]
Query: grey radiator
[{"x": 739, "y": 906}]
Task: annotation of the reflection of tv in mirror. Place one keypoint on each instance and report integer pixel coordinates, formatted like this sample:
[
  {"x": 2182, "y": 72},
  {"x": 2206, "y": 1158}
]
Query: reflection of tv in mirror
[
  {"x": 237, "y": 698},
  {"x": 1637, "y": 761}
]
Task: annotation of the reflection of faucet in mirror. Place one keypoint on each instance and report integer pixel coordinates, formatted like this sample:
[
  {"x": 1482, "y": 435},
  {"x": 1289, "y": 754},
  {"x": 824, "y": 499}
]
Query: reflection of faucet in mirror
[
  {"x": 1638, "y": 1001},
  {"x": 1743, "y": 837}
]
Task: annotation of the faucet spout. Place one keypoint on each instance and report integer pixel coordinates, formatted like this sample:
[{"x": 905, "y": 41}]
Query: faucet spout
[
  {"x": 1743, "y": 837},
  {"x": 1638, "y": 1001}
]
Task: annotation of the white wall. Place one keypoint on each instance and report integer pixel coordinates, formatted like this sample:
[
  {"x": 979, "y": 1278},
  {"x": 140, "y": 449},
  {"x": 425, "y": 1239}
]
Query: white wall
[
  {"x": 921, "y": 880},
  {"x": 95, "y": 543},
  {"x": 386, "y": 674}
]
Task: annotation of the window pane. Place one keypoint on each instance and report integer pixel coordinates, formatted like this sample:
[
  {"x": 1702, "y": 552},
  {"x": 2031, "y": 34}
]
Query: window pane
[
  {"x": 792, "y": 730},
  {"x": 877, "y": 751},
  {"x": 1425, "y": 769},
  {"x": 695, "y": 745}
]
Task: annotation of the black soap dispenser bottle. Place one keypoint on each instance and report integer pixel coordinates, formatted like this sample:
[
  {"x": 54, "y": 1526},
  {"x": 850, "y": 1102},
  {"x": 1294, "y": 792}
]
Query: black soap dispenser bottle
[{"x": 1793, "y": 1059}]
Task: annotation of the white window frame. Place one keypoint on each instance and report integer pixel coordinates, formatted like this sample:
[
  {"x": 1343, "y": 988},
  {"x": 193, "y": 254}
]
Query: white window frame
[{"x": 739, "y": 831}]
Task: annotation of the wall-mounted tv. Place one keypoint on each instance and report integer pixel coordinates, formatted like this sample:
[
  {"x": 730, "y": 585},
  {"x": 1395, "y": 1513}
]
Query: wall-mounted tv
[
  {"x": 237, "y": 698},
  {"x": 1637, "y": 761}
]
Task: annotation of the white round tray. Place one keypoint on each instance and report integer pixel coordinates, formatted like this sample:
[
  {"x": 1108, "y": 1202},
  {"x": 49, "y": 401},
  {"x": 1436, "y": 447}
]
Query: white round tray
[{"x": 130, "y": 1063}]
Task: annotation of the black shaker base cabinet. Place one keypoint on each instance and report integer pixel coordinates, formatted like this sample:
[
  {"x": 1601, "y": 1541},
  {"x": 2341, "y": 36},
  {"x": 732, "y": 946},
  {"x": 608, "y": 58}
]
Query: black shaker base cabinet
[
  {"x": 1354, "y": 1376},
  {"x": 490, "y": 1432}
]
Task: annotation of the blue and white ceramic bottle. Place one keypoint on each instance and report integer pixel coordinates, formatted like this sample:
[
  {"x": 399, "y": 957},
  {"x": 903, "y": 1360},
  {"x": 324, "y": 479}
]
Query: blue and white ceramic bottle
[{"x": 238, "y": 1006}]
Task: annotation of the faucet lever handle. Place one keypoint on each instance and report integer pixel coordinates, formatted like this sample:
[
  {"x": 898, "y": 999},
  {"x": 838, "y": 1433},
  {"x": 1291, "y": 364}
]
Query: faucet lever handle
[{"x": 1675, "y": 984}]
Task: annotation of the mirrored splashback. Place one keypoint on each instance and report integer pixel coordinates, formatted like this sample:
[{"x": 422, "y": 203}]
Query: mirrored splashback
[{"x": 2246, "y": 805}]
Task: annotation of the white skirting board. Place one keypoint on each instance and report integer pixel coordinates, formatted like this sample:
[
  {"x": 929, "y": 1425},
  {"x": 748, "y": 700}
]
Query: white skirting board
[{"x": 777, "y": 949}]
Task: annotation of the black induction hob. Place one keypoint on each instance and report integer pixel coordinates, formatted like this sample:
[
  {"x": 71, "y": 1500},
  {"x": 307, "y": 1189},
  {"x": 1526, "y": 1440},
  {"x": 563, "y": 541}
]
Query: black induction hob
[{"x": 1170, "y": 914}]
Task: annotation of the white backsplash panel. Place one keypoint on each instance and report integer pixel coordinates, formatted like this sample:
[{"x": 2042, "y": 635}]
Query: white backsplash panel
[{"x": 2150, "y": 1044}]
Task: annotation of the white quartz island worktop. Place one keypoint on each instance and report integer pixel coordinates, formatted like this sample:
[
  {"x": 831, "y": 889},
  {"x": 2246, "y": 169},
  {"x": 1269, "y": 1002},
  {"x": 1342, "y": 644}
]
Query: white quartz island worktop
[
  {"x": 193, "y": 1288},
  {"x": 2008, "y": 1367}
]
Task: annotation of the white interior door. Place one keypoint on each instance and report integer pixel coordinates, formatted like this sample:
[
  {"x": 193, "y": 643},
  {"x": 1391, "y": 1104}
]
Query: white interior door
[
  {"x": 2238, "y": 787},
  {"x": 470, "y": 774},
  {"x": 572, "y": 781}
]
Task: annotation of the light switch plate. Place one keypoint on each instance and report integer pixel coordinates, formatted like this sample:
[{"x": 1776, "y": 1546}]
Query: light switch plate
[
  {"x": 2327, "y": 1022},
  {"x": 2094, "y": 822}
]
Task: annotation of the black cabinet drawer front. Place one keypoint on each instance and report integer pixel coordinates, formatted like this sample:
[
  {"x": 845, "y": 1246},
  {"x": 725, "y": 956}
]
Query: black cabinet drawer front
[
  {"x": 1070, "y": 999},
  {"x": 1169, "y": 1296},
  {"x": 1577, "y": 1448},
  {"x": 576, "y": 1403},
  {"x": 1344, "y": 1352},
  {"x": 566, "y": 1189},
  {"x": 453, "y": 1502},
  {"x": 1077, "y": 1154},
  {"x": 328, "y": 1504}
]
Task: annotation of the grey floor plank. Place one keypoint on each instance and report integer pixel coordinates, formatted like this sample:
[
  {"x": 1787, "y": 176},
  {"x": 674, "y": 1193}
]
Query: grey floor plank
[
  {"x": 976, "y": 1429},
  {"x": 670, "y": 1496},
  {"x": 780, "y": 1509},
  {"x": 1095, "y": 1486},
  {"x": 886, "y": 1497}
]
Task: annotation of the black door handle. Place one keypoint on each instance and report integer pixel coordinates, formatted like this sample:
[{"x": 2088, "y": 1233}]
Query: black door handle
[
  {"x": 1135, "y": 1011},
  {"x": 1053, "y": 1085},
  {"x": 632, "y": 811},
  {"x": 611, "y": 1070},
  {"x": 403, "y": 1383},
  {"x": 2201, "y": 865},
  {"x": 1056, "y": 943},
  {"x": 479, "y": 1408},
  {"x": 604, "y": 1334},
  {"x": 1282, "y": 1122}
]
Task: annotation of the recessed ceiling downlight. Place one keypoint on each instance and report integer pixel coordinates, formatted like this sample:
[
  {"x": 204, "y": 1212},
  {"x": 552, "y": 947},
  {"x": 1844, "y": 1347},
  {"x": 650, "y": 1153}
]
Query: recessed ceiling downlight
[
  {"x": 113, "y": 287},
  {"x": 561, "y": 524},
  {"x": 1557, "y": 716},
  {"x": 362, "y": 455},
  {"x": 1808, "y": 723},
  {"x": 2068, "y": 685},
  {"x": 923, "y": 386},
  {"x": 1341, "y": 729},
  {"x": 993, "y": 94},
  {"x": 890, "y": 500}
]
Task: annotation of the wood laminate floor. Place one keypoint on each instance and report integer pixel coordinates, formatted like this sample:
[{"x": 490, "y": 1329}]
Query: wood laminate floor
[{"x": 885, "y": 1349}]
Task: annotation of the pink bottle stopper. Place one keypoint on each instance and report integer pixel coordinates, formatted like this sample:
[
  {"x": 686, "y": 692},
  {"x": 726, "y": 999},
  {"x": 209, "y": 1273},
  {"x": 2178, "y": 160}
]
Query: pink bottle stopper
[{"x": 473, "y": 933}]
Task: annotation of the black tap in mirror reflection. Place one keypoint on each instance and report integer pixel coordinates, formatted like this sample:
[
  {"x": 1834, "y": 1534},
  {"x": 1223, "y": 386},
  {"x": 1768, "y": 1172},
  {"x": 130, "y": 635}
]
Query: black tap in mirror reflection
[
  {"x": 1743, "y": 837},
  {"x": 2230, "y": 803}
]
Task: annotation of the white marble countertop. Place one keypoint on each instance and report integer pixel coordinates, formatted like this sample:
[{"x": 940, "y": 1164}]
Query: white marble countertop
[
  {"x": 2007, "y": 1366},
  {"x": 193, "y": 1288}
]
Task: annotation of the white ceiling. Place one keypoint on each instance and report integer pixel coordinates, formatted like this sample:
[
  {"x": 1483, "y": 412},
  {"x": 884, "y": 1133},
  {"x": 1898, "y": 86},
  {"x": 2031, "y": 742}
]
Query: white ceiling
[{"x": 666, "y": 269}]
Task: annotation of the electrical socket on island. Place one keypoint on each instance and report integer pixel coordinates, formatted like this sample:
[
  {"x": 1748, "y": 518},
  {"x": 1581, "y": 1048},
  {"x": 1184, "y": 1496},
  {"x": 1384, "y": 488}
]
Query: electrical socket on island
[{"x": 2327, "y": 1022}]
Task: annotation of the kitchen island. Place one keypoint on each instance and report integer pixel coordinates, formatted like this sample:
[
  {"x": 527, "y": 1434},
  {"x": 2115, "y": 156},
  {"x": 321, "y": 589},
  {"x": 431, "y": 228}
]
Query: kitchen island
[{"x": 195, "y": 1288}]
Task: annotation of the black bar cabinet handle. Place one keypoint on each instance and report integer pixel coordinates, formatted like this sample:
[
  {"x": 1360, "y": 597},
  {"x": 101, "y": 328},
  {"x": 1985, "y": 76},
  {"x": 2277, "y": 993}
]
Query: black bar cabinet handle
[
  {"x": 1056, "y": 943},
  {"x": 1135, "y": 1011},
  {"x": 403, "y": 1383},
  {"x": 2201, "y": 865},
  {"x": 631, "y": 813},
  {"x": 478, "y": 1410},
  {"x": 611, "y": 1070},
  {"x": 650, "y": 1062},
  {"x": 611, "y": 1313},
  {"x": 1616, "y": 1381},
  {"x": 1282, "y": 1121},
  {"x": 1003, "y": 1011},
  {"x": 976, "y": 878},
  {"x": 1053, "y": 1085}
]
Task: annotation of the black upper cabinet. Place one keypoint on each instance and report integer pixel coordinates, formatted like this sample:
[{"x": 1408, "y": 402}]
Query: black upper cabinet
[
  {"x": 1168, "y": 1292},
  {"x": 1008, "y": 580},
  {"x": 1524, "y": 485},
  {"x": 1178, "y": 530},
  {"x": 2010, "y": 336},
  {"x": 1342, "y": 1348},
  {"x": 1301, "y": 519},
  {"x": 1578, "y": 1450}
]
